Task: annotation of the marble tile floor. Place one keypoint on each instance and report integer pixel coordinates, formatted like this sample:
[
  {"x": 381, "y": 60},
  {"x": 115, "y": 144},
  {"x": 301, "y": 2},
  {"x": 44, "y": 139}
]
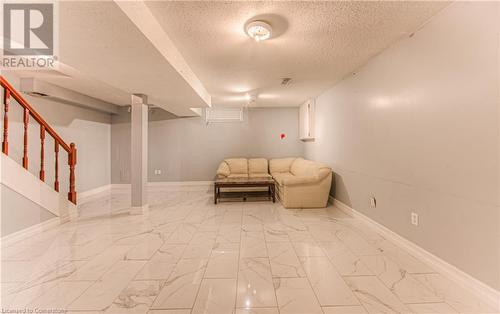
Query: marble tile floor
[{"x": 187, "y": 255}]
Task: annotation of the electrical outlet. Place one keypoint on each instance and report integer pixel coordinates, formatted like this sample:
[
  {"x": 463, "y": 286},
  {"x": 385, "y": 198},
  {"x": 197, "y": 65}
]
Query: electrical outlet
[
  {"x": 414, "y": 219},
  {"x": 157, "y": 171},
  {"x": 373, "y": 201}
]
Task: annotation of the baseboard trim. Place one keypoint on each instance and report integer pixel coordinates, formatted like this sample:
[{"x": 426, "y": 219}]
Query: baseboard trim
[
  {"x": 181, "y": 183},
  {"x": 30, "y": 231},
  {"x": 139, "y": 210},
  {"x": 120, "y": 185},
  {"x": 486, "y": 293},
  {"x": 166, "y": 183},
  {"x": 85, "y": 194}
]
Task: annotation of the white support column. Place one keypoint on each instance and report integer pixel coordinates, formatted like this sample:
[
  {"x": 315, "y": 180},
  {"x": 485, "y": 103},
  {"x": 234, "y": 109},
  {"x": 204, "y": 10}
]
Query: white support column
[{"x": 139, "y": 157}]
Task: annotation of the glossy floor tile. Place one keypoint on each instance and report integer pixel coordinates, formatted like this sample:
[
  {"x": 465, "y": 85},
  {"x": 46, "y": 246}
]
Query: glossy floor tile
[
  {"x": 327, "y": 284},
  {"x": 187, "y": 255},
  {"x": 295, "y": 295},
  {"x": 255, "y": 284},
  {"x": 216, "y": 296}
]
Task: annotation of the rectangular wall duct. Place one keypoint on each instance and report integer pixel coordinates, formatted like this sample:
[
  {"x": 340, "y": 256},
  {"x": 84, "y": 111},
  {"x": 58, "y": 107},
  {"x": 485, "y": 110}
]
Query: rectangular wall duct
[{"x": 223, "y": 114}]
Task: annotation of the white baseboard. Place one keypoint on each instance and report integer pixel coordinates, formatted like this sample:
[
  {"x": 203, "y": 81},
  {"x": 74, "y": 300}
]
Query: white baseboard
[
  {"x": 30, "y": 231},
  {"x": 92, "y": 192},
  {"x": 166, "y": 183},
  {"x": 181, "y": 183},
  {"x": 486, "y": 293},
  {"x": 115, "y": 186},
  {"x": 139, "y": 210}
]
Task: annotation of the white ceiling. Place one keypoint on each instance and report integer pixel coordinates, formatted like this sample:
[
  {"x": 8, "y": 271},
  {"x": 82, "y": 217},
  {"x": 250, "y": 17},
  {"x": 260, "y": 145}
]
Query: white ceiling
[
  {"x": 320, "y": 43},
  {"x": 105, "y": 53}
]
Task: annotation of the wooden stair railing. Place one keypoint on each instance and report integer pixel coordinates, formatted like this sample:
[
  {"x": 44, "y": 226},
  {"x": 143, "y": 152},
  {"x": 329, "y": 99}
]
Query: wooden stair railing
[{"x": 9, "y": 92}]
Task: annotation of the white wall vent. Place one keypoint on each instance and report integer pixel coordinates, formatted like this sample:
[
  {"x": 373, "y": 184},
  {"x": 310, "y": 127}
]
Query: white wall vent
[{"x": 224, "y": 115}]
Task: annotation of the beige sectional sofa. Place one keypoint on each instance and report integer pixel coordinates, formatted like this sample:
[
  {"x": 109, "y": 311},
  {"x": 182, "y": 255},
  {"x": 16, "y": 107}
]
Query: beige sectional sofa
[{"x": 300, "y": 183}]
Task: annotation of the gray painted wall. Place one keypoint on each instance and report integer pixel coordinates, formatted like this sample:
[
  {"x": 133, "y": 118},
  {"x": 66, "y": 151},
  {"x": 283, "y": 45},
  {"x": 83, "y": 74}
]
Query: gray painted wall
[
  {"x": 417, "y": 127},
  {"x": 19, "y": 212},
  {"x": 187, "y": 149},
  {"x": 90, "y": 130}
]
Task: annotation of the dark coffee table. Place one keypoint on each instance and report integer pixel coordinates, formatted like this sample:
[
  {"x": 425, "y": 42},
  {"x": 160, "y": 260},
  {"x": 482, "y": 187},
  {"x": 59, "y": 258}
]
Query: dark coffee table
[{"x": 244, "y": 183}]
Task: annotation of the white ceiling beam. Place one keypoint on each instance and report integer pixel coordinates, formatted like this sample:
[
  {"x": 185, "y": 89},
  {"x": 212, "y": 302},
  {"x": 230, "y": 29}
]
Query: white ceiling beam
[
  {"x": 144, "y": 20},
  {"x": 37, "y": 88}
]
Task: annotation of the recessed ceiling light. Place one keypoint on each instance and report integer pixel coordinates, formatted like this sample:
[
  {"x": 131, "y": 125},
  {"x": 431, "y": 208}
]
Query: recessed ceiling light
[{"x": 259, "y": 30}]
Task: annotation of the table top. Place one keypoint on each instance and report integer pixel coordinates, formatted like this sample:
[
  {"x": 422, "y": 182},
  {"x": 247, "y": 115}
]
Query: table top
[{"x": 243, "y": 181}]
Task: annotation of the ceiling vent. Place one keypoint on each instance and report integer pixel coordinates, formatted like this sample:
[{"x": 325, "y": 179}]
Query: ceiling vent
[
  {"x": 224, "y": 115},
  {"x": 286, "y": 81},
  {"x": 38, "y": 88}
]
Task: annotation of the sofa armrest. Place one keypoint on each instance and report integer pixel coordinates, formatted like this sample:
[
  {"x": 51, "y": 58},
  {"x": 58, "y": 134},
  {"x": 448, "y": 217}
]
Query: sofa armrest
[
  {"x": 323, "y": 173},
  {"x": 223, "y": 170},
  {"x": 300, "y": 180}
]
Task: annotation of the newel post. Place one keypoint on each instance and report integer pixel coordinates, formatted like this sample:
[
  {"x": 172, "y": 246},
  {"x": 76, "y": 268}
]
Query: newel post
[{"x": 72, "y": 163}]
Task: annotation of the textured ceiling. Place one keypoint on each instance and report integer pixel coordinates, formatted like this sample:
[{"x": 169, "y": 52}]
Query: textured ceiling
[
  {"x": 106, "y": 56},
  {"x": 317, "y": 43}
]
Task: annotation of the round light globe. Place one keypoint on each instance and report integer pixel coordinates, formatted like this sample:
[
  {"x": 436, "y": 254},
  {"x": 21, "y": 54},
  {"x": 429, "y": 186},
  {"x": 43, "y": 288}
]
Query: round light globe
[{"x": 259, "y": 30}]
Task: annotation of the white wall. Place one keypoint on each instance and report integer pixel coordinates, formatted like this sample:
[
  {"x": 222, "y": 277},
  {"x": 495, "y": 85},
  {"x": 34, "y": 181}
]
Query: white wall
[
  {"x": 417, "y": 127},
  {"x": 188, "y": 149}
]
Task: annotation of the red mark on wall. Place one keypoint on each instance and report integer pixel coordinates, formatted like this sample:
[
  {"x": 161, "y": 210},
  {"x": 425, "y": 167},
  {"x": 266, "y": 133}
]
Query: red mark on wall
[{"x": 282, "y": 135}]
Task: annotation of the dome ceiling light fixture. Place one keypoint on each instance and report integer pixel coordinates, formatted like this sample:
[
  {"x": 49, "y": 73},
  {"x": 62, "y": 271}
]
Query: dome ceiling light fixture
[{"x": 258, "y": 30}]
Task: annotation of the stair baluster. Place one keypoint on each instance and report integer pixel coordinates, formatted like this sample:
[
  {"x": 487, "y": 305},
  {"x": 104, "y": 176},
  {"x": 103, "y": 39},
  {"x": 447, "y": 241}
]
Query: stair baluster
[
  {"x": 25, "y": 148},
  {"x": 72, "y": 163},
  {"x": 56, "y": 167},
  {"x": 6, "y": 102},
  {"x": 42, "y": 153}
]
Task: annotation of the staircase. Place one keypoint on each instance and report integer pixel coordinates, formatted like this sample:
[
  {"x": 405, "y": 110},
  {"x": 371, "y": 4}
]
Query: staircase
[{"x": 45, "y": 129}]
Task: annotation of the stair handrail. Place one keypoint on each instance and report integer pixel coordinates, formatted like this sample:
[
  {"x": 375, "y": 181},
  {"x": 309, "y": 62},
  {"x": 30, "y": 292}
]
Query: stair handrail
[{"x": 9, "y": 92}]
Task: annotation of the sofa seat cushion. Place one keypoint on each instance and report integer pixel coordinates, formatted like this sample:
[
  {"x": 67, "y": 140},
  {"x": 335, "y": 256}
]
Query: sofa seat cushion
[
  {"x": 259, "y": 175},
  {"x": 238, "y": 175},
  {"x": 257, "y": 165},
  {"x": 280, "y": 176},
  {"x": 237, "y": 165}
]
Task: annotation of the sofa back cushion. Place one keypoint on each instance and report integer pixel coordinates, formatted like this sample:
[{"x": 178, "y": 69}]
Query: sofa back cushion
[
  {"x": 280, "y": 165},
  {"x": 257, "y": 165},
  {"x": 237, "y": 165},
  {"x": 304, "y": 168}
]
